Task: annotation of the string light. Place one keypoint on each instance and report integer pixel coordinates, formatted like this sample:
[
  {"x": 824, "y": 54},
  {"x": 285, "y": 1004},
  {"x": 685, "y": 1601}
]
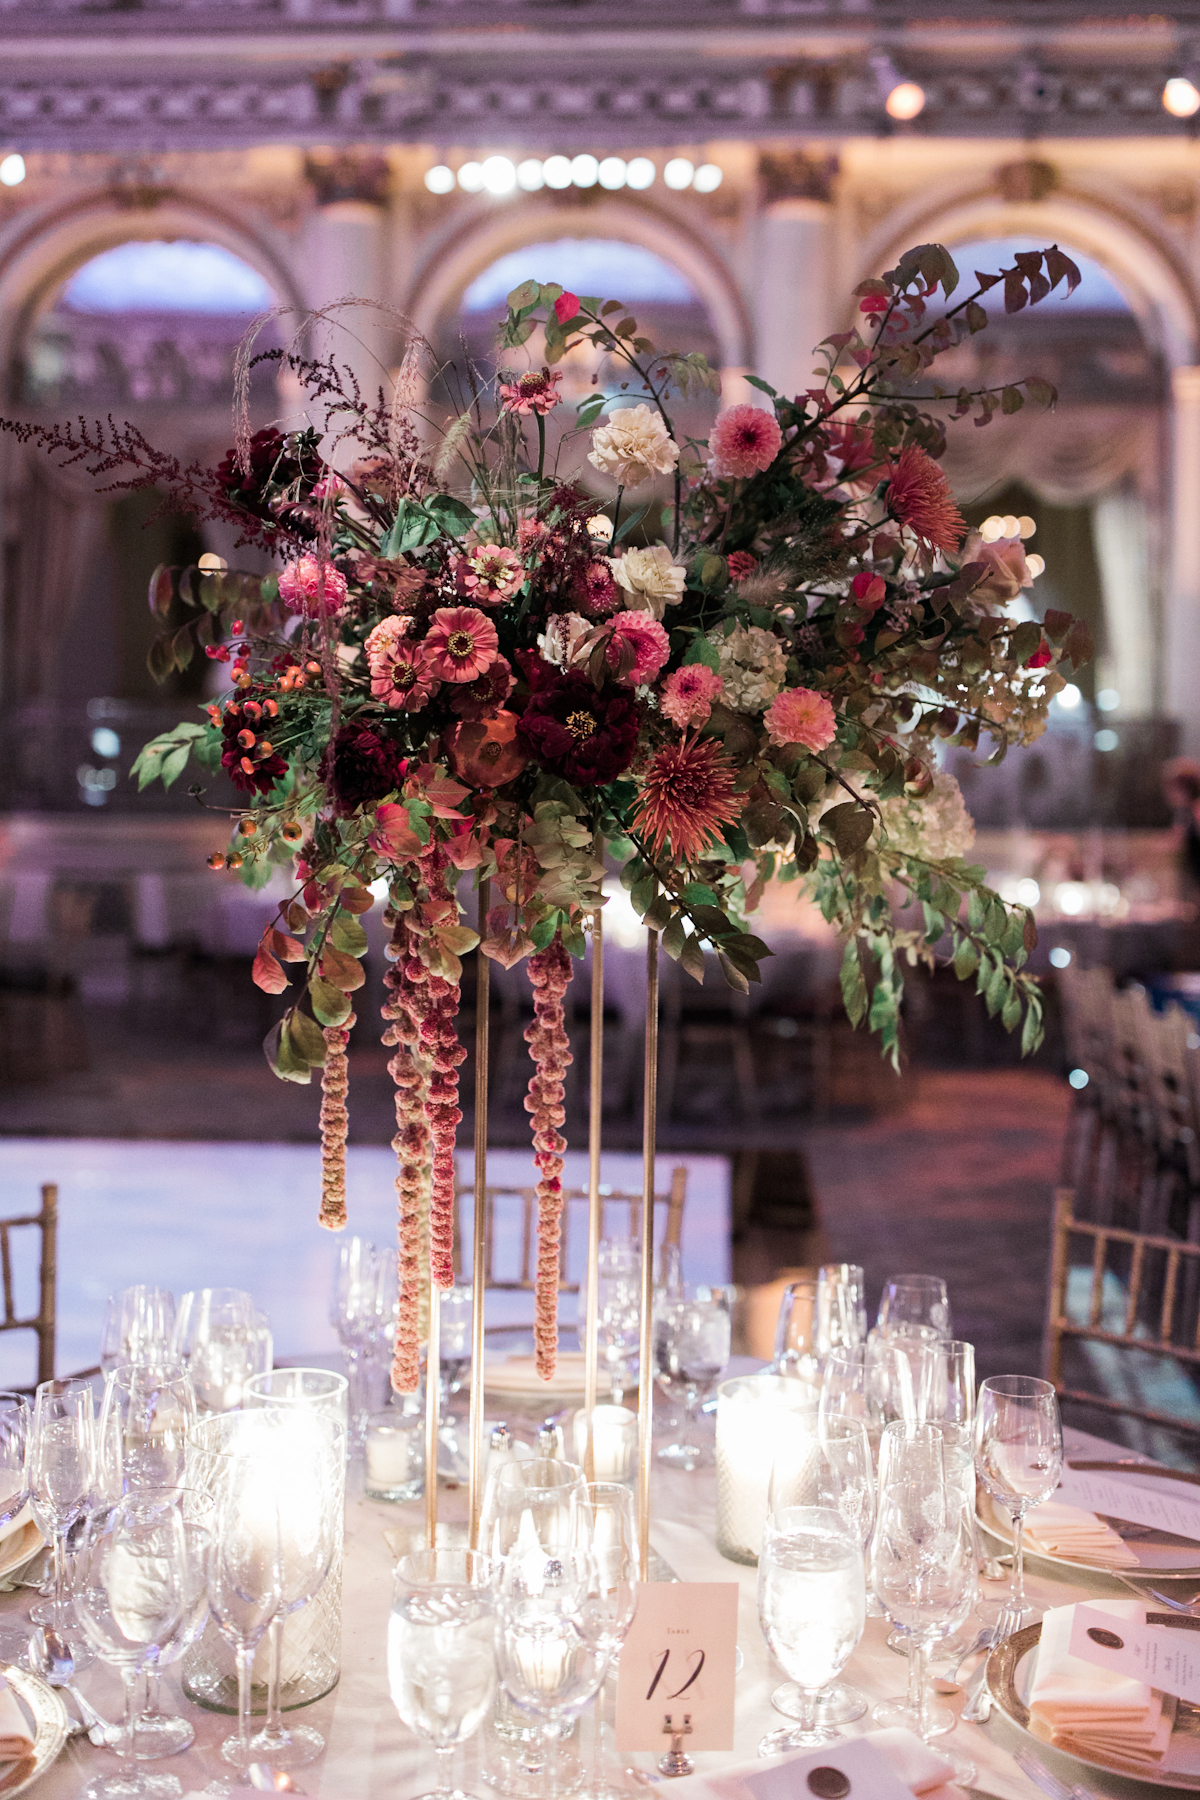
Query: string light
[
  {"x": 905, "y": 101},
  {"x": 500, "y": 176},
  {"x": 440, "y": 179},
  {"x": 12, "y": 169},
  {"x": 1181, "y": 97}
]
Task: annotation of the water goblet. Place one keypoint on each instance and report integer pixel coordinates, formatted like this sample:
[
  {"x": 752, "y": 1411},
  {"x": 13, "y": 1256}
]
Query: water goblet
[
  {"x": 1019, "y": 1455},
  {"x": 139, "y": 1326},
  {"x": 442, "y": 1651},
  {"x": 911, "y": 1302},
  {"x": 812, "y": 1605},
  {"x": 691, "y": 1354},
  {"x": 218, "y": 1336},
  {"x": 550, "y": 1653},
  {"x": 923, "y": 1561},
  {"x": 62, "y": 1471},
  {"x": 130, "y": 1601}
]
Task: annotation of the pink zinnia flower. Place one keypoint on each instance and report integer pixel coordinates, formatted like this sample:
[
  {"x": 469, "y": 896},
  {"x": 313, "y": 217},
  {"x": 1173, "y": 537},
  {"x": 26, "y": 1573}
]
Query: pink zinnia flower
[
  {"x": 801, "y": 716},
  {"x": 686, "y": 797},
  {"x": 461, "y": 643},
  {"x": 688, "y": 694},
  {"x": 744, "y": 441},
  {"x": 646, "y": 638},
  {"x": 536, "y": 391},
  {"x": 312, "y": 587},
  {"x": 489, "y": 574},
  {"x": 479, "y": 699},
  {"x": 741, "y": 564},
  {"x": 400, "y": 673},
  {"x": 918, "y": 495},
  {"x": 599, "y": 596}
]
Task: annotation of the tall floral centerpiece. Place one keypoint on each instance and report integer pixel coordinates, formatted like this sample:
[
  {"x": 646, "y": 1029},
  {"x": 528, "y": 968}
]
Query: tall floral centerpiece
[{"x": 467, "y": 670}]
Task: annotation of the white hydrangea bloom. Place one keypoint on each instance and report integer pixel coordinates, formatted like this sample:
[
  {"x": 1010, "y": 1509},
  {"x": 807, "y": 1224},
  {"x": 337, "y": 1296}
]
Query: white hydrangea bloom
[
  {"x": 753, "y": 667},
  {"x": 936, "y": 826}
]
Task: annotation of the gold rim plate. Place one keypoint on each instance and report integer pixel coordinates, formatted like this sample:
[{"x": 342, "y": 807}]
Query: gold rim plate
[
  {"x": 1006, "y": 1681},
  {"x": 993, "y": 1522},
  {"x": 49, "y": 1721},
  {"x": 17, "y": 1549}
]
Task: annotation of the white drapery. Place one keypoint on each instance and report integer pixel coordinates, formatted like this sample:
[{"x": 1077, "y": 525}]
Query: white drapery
[
  {"x": 1119, "y": 532},
  {"x": 1064, "y": 457}
]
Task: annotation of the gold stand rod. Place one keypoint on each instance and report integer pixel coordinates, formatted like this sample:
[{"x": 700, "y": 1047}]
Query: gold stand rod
[
  {"x": 646, "y": 1344},
  {"x": 433, "y": 1394},
  {"x": 478, "y": 1455},
  {"x": 595, "y": 1109}
]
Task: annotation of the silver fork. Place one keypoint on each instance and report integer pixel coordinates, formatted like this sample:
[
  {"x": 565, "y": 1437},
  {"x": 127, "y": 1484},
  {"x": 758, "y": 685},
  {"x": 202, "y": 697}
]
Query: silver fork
[{"x": 978, "y": 1708}]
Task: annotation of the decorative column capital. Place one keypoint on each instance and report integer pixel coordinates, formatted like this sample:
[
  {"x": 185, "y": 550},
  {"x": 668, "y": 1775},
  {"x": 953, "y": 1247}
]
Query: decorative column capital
[
  {"x": 796, "y": 175},
  {"x": 340, "y": 175}
]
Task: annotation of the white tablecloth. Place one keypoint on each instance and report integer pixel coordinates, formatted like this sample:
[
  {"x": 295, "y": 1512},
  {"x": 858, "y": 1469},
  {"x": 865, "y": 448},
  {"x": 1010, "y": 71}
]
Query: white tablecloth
[{"x": 371, "y": 1756}]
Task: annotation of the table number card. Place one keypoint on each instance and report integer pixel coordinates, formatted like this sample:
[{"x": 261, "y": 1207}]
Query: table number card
[
  {"x": 679, "y": 1660},
  {"x": 1162, "y": 1656}
]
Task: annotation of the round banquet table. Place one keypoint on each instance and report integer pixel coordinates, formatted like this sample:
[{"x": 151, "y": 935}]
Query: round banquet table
[{"x": 372, "y": 1756}]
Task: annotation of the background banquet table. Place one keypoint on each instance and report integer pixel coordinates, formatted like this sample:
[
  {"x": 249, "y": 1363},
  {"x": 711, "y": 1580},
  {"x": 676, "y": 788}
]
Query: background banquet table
[{"x": 371, "y": 1755}]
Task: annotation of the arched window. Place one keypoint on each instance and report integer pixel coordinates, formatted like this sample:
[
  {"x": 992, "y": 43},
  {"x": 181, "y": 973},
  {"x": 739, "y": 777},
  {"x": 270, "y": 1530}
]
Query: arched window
[{"x": 147, "y": 323}]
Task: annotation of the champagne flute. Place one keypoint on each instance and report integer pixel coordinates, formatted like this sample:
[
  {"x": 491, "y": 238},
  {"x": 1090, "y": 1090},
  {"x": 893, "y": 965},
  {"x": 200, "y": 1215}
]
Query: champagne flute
[
  {"x": 619, "y": 1302},
  {"x": 157, "y": 1733},
  {"x": 442, "y": 1651},
  {"x": 812, "y": 1605},
  {"x": 827, "y": 1464},
  {"x": 62, "y": 1468},
  {"x": 1019, "y": 1456},
  {"x": 797, "y": 1332},
  {"x": 245, "y": 1575},
  {"x": 612, "y": 1597},
  {"x": 147, "y": 1412},
  {"x": 139, "y": 1326},
  {"x": 130, "y": 1601}
]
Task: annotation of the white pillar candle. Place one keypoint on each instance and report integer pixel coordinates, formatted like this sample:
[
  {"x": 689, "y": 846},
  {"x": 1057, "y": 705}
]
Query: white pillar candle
[
  {"x": 394, "y": 1459},
  {"x": 614, "y": 1441},
  {"x": 748, "y": 1411}
]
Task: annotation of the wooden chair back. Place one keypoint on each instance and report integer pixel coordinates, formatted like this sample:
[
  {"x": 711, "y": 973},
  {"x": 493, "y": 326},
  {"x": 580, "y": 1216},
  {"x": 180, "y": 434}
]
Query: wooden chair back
[
  {"x": 574, "y": 1218},
  {"x": 1153, "y": 1272},
  {"x": 43, "y": 1321}
]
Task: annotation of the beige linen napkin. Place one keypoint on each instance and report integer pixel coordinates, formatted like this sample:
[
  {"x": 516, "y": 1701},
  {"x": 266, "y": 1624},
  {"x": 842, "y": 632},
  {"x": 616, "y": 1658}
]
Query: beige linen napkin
[
  {"x": 15, "y": 1741},
  {"x": 1088, "y": 1711},
  {"x": 1060, "y": 1530}
]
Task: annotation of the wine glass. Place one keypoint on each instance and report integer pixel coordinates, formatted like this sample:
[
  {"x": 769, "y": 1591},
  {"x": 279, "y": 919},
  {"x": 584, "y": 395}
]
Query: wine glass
[
  {"x": 534, "y": 1508},
  {"x": 157, "y": 1733},
  {"x": 619, "y": 1311},
  {"x": 612, "y": 1596},
  {"x": 62, "y": 1476},
  {"x": 139, "y": 1326},
  {"x": 797, "y": 1351},
  {"x": 812, "y": 1605},
  {"x": 691, "y": 1354},
  {"x": 147, "y": 1413},
  {"x": 830, "y": 1465},
  {"x": 363, "y": 1315},
  {"x": 915, "y": 1303},
  {"x": 550, "y": 1653},
  {"x": 442, "y": 1651},
  {"x": 245, "y": 1573},
  {"x": 841, "y": 1307},
  {"x": 923, "y": 1562},
  {"x": 220, "y": 1338},
  {"x": 130, "y": 1600},
  {"x": 1018, "y": 1454},
  {"x": 308, "y": 1462}
]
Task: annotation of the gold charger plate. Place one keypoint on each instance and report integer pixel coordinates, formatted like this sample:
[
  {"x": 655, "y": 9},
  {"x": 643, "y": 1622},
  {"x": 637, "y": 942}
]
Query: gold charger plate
[
  {"x": 1158, "y": 1553},
  {"x": 49, "y": 1721},
  {"x": 1010, "y": 1670}
]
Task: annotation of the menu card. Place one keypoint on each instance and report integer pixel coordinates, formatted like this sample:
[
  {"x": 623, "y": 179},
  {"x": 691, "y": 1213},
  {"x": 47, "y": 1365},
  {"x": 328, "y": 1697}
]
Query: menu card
[
  {"x": 1163, "y": 1656},
  {"x": 677, "y": 1664},
  {"x": 1163, "y": 1505}
]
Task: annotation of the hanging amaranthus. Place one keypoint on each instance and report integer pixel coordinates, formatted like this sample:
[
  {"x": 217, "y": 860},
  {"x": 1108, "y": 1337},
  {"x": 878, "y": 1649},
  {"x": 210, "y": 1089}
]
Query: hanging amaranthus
[
  {"x": 335, "y": 1123},
  {"x": 440, "y": 1045},
  {"x": 405, "y": 1006},
  {"x": 549, "y": 973}
]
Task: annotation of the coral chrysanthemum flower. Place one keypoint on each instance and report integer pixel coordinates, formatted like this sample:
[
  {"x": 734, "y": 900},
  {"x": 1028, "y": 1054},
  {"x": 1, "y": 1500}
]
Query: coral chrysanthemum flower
[
  {"x": 919, "y": 496},
  {"x": 688, "y": 694},
  {"x": 536, "y": 391},
  {"x": 687, "y": 796},
  {"x": 801, "y": 716},
  {"x": 461, "y": 643},
  {"x": 744, "y": 441}
]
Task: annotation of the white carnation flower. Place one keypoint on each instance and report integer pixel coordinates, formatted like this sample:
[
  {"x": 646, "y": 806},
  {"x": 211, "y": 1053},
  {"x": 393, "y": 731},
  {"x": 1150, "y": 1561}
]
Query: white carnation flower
[
  {"x": 936, "y": 825},
  {"x": 632, "y": 445},
  {"x": 752, "y": 666},
  {"x": 650, "y": 581}
]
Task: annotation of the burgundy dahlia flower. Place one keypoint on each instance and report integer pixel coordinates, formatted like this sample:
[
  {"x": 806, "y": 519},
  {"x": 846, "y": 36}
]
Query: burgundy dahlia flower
[{"x": 584, "y": 734}]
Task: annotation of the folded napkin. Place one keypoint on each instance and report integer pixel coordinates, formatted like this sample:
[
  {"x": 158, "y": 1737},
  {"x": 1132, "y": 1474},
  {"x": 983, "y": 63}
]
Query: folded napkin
[
  {"x": 1068, "y": 1531},
  {"x": 1088, "y": 1711},
  {"x": 15, "y": 1740},
  {"x": 911, "y": 1765}
]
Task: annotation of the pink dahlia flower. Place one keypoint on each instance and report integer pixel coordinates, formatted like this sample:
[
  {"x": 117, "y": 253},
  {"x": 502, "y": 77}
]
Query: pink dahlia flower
[
  {"x": 461, "y": 643},
  {"x": 744, "y": 441},
  {"x": 801, "y": 716},
  {"x": 312, "y": 587},
  {"x": 741, "y": 564},
  {"x": 489, "y": 574},
  {"x": 536, "y": 391},
  {"x": 688, "y": 695},
  {"x": 644, "y": 636}
]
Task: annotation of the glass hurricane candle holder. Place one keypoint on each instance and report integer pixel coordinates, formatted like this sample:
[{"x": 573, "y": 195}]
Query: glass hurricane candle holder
[
  {"x": 394, "y": 1453},
  {"x": 748, "y": 1413}
]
